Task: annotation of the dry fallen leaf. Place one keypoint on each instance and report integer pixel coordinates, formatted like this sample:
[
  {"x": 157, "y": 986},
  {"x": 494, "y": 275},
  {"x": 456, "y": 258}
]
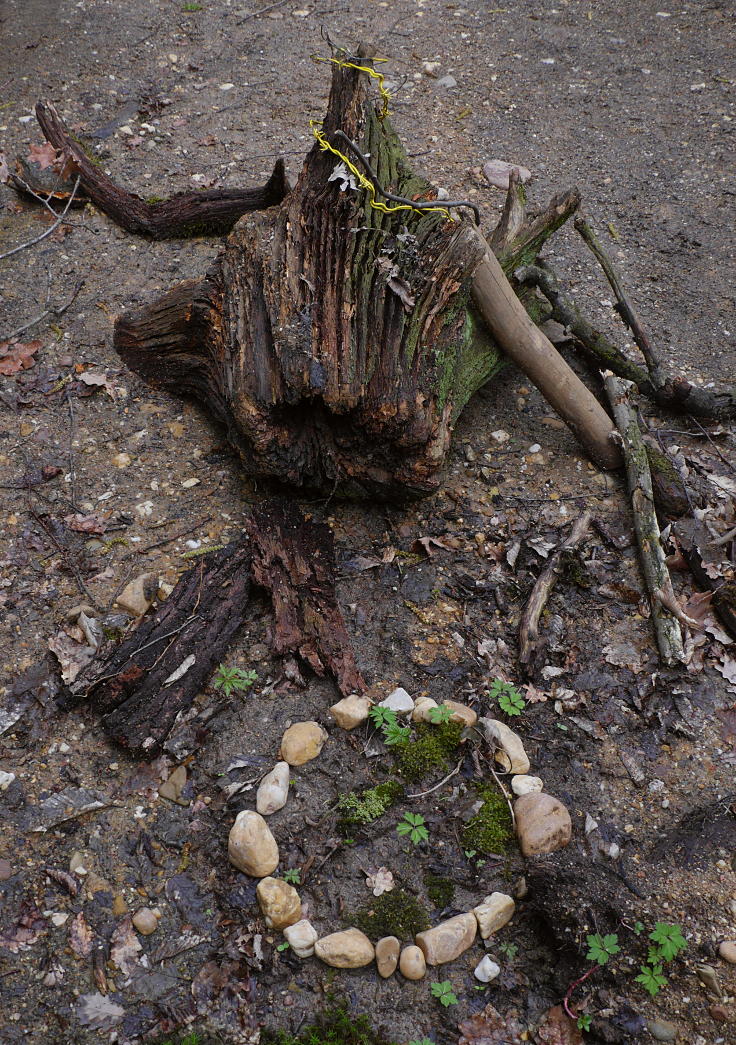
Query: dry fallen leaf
[
  {"x": 125, "y": 948},
  {"x": 381, "y": 881},
  {"x": 85, "y": 523},
  {"x": 99, "y": 1013},
  {"x": 427, "y": 545},
  {"x": 556, "y": 1028},
  {"x": 489, "y": 1027},
  {"x": 42, "y": 155},
  {"x": 80, "y": 936},
  {"x": 16, "y": 355}
]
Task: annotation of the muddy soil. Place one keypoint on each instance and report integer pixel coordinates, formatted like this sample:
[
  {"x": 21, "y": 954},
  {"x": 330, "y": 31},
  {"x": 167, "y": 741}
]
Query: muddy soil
[{"x": 635, "y": 104}]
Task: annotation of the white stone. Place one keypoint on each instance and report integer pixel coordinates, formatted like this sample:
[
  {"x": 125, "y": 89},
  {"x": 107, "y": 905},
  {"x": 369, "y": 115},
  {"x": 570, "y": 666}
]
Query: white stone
[
  {"x": 510, "y": 753},
  {"x": 523, "y": 784},
  {"x": 301, "y": 937},
  {"x": 398, "y": 701},
  {"x": 422, "y": 708},
  {"x": 351, "y": 711},
  {"x": 273, "y": 790},
  {"x": 486, "y": 970},
  {"x": 495, "y": 911}
]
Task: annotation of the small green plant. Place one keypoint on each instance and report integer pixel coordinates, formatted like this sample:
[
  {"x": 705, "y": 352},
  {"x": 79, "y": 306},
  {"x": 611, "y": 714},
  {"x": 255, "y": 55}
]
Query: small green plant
[
  {"x": 509, "y": 699},
  {"x": 283, "y": 946},
  {"x": 191, "y": 7},
  {"x": 584, "y": 1021},
  {"x": 381, "y": 717},
  {"x": 233, "y": 680},
  {"x": 602, "y": 948},
  {"x": 509, "y": 949},
  {"x": 393, "y": 734},
  {"x": 369, "y": 805},
  {"x": 638, "y": 928},
  {"x": 667, "y": 943},
  {"x": 293, "y": 876},
  {"x": 421, "y": 1041},
  {"x": 413, "y": 826},
  {"x": 444, "y": 993},
  {"x": 440, "y": 714}
]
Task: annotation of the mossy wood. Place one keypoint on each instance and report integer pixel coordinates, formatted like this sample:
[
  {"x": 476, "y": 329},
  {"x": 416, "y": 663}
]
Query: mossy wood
[{"x": 303, "y": 339}]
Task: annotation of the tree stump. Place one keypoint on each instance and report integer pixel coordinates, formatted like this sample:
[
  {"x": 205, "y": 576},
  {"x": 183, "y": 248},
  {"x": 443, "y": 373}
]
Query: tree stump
[{"x": 336, "y": 342}]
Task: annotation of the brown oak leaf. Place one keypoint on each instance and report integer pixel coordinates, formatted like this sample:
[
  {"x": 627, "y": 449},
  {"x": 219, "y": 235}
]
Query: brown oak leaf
[
  {"x": 17, "y": 355},
  {"x": 489, "y": 1027}
]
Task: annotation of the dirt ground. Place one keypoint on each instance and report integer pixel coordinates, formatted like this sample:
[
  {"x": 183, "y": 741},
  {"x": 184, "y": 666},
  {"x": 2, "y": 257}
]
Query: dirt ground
[{"x": 634, "y": 103}]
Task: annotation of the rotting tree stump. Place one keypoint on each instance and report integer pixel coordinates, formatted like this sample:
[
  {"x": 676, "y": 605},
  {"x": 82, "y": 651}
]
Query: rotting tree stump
[{"x": 337, "y": 343}]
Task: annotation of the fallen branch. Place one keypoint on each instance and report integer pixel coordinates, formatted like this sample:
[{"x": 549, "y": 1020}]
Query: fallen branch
[
  {"x": 46, "y": 232},
  {"x": 656, "y": 574},
  {"x": 211, "y": 212},
  {"x": 531, "y": 646},
  {"x": 56, "y": 312}
]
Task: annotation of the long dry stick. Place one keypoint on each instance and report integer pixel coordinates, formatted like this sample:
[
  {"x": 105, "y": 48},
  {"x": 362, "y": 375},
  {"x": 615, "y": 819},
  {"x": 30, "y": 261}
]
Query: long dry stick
[
  {"x": 49, "y": 230},
  {"x": 656, "y": 574}
]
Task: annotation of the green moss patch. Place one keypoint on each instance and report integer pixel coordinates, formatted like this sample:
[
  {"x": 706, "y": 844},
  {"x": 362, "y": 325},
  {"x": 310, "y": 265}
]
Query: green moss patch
[
  {"x": 440, "y": 890},
  {"x": 397, "y": 913},
  {"x": 432, "y": 749},
  {"x": 335, "y": 1026},
  {"x": 357, "y": 810},
  {"x": 491, "y": 829}
]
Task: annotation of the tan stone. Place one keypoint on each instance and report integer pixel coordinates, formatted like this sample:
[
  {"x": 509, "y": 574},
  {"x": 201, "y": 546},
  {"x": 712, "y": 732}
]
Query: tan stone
[
  {"x": 727, "y": 951},
  {"x": 302, "y": 742},
  {"x": 412, "y": 963},
  {"x": 279, "y": 902},
  {"x": 251, "y": 847},
  {"x": 422, "y": 707},
  {"x": 348, "y": 949},
  {"x": 145, "y": 921},
  {"x": 495, "y": 911},
  {"x": 351, "y": 711},
  {"x": 301, "y": 937},
  {"x": 174, "y": 785},
  {"x": 387, "y": 956},
  {"x": 510, "y": 753},
  {"x": 448, "y": 940},
  {"x": 273, "y": 790},
  {"x": 119, "y": 906},
  {"x": 524, "y": 784},
  {"x": 542, "y": 823},
  {"x": 137, "y": 596},
  {"x": 461, "y": 713}
]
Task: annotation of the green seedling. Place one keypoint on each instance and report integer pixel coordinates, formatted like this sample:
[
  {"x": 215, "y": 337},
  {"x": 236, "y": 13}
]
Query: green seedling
[
  {"x": 440, "y": 714},
  {"x": 652, "y": 979},
  {"x": 509, "y": 949},
  {"x": 396, "y": 734},
  {"x": 602, "y": 948},
  {"x": 412, "y": 825},
  {"x": 509, "y": 699},
  {"x": 668, "y": 939},
  {"x": 444, "y": 993},
  {"x": 293, "y": 876},
  {"x": 584, "y": 1021},
  {"x": 192, "y": 7},
  {"x": 421, "y": 1041},
  {"x": 233, "y": 680},
  {"x": 381, "y": 717},
  {"x": 283, "y": 946}
]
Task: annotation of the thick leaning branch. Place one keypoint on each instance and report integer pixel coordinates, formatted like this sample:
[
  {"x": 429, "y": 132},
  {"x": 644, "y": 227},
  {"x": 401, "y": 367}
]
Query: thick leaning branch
[
  {"x": 656, "y": 574},
  {"x": 211, "y": 212},
  {"x": 531, "y": 646}
]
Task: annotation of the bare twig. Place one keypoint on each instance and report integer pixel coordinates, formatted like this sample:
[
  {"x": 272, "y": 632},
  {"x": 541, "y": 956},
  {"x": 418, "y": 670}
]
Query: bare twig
[
  {"x": 49, "y": 230},
  {"x": 624, "y": 307},
  {"x": 66, "y": 557},
  {"x": 421, "y": 794},
  {"x": 47, "y": 312},
  {"x": 529, "y": 644}
]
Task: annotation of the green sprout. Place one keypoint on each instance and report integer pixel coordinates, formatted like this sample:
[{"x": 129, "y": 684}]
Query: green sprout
[
  {"x": 293, "y": 876},
  {"x": 413, "y": 825},
  {"x": 509, "y": 699},
  {"x": 668, "y": 939},
  {"x": 440, "y": 714},
  {"x": 233, "y": 680},
  {"x": 584, "y": 1021},
  {"x": 602, "y": 947},
  {"x": 509, "y": 949},
  {"x": 283, "y": 946},
  {"x": 444, "y": 993},
  {"x": 651, "y": 979}
]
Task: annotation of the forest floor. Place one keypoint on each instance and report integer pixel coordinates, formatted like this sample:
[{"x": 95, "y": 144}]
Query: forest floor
[{"x": 634, "y": 104}]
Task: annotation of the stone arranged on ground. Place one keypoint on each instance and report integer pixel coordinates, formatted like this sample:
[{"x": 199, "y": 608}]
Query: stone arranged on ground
[
  {"x": 301, "y": 937},
  {"x": 6, "y": 870},
  {"x": 461, "y": 714},
  {"x": 486, "y": 970},
  {"x": 422, "y": 708},
  {"x": 348, "y": 949},
  {"x": 495, "y": 911},
  {"x": 251, "y": 847},
  {"x": 510, "y": 753},
  {"x": 145, "y": 921},
  {"x": 302, "y": 742},
  {"x": 137, "y": 596},
  {"x": 543, "y": 823},
  {"x": 351, "y": 711},
  {"x": 448, "y": 940},
  {"x": 279, "y": 902},
  {"x": 727, "y": 951},
  {"x": 412, "y": 963},
  {"x": 173, "y": 787},
  {"x": 387, "y": 956},
  {"x": 524, "y": 785},
  {"x": 398, "y": 701},
  {"x": 273, "y": 790}
]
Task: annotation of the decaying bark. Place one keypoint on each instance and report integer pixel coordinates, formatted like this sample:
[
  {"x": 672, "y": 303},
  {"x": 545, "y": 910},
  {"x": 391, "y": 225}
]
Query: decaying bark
[
  {"x": 531, "y": 646},
  {"x": 209, "y": 212},
  {"x": 154, "y": 676},
  {"x": 656, "y": 575}
]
